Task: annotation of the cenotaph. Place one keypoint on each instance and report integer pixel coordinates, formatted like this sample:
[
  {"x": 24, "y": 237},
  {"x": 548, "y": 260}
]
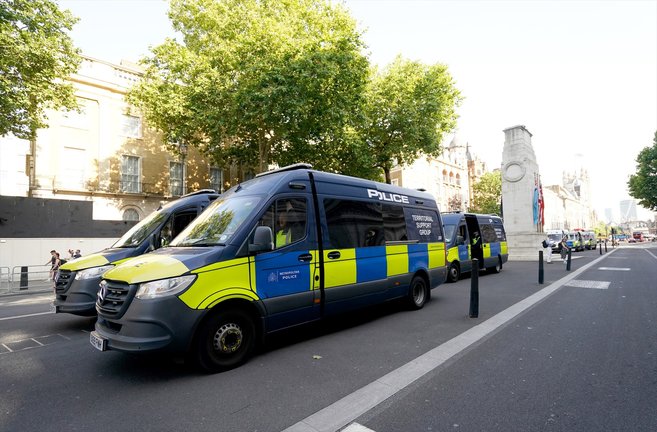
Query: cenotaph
[{"x": 521, "y": 190}]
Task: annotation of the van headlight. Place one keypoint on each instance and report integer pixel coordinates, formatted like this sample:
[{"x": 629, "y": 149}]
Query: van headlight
[
  {"x": 93, "y": 272},
  {"x": 164, "y": 287}
]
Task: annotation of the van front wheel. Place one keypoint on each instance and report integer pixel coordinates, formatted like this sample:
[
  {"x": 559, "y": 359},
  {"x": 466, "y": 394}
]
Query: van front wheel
[
  {"x": 453, "y": 273},
  {"x": 418, "y": 293},
  {"x": 225, "y": 340}
]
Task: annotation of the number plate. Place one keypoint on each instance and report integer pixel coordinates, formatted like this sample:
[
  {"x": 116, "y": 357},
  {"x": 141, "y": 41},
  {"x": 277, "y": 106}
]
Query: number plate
[{"x": 98, "y": 342}]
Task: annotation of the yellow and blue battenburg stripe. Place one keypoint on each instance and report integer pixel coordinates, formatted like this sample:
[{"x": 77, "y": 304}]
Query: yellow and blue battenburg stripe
[{"x": 280, "y": 274}]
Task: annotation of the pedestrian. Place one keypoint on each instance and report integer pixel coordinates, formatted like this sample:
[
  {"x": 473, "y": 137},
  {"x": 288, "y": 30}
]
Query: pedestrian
[
  {"x": 51, "y": 261},
  {"x": 71, "y": 254},
  {"x": 476, "y": 239},
  {"x": 77, "y": 254},
  {"x": 55, "y": 269},
  {"x": 547, "y": 249},
  {"x": 563, "y": 249}
]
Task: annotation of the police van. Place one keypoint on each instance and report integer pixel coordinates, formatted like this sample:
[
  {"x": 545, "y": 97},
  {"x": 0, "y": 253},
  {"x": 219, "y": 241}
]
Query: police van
[
  {"x": 77, "y": 285},
  {"x": 469, "y": 236},
  {"x": 288, "y": 247}
]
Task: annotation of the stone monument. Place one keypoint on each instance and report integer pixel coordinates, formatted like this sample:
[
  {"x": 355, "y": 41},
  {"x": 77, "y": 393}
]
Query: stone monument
[{"x": 521, "y": 195}]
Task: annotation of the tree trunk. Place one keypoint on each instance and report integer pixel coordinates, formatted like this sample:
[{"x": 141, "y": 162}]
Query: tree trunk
[{"x": 386, "y": 171}]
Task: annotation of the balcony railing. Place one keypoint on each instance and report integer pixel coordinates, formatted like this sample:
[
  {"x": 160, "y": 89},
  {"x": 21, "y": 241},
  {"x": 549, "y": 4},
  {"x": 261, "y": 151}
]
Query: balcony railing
[{"x": 123, "y": 188}]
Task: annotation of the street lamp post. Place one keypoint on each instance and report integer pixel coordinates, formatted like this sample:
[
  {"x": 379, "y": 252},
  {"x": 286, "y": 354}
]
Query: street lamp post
[{"x": 182, "y": 147}]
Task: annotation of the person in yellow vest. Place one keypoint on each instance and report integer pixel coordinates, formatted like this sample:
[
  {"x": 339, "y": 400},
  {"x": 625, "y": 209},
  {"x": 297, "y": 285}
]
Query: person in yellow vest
[{"x": 283, "y": 233}]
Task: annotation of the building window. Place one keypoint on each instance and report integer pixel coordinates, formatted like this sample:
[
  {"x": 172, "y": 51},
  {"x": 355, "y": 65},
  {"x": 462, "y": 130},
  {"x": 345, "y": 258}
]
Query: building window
[
  {"x": 72, "y": 175},
  {"x": 131, "y": 126},
  {"x": 175, "y": 179},
  {"x": 130, "y": 174},
  {"x": 75, "y": 119},
  {"x": 217, "y": 179},
  {"x": 445, "y": 178},
  {"x": 451, "y": 178},
  {"x": 458, "y": 179},
  {"x": 130, "y": 214}
]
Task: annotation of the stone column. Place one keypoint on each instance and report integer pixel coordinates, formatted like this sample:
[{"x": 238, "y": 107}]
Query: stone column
[{"x": 520, "y": 176}]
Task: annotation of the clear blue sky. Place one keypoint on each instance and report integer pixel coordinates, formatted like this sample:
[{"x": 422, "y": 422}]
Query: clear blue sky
[{"x": 580, "y": 75}]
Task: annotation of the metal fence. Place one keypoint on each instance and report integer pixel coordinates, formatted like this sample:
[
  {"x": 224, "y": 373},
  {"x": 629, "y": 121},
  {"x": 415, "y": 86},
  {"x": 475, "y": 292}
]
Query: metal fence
[{"x": 24, "y": 279}]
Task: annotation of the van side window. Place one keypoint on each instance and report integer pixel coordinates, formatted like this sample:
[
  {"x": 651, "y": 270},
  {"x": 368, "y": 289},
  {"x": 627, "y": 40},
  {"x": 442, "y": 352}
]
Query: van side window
[
  {"x": 463, "y": 234},
  {"x": 175, "y": 225},
  {"x": 394, "y": 223},
  {"x": 501, "y": 235},
  {"x": 488, "y": 233},
  {"x": 287, "y": 220},
  {"x": 353, "y": 224},
  {"x": 423, "y": 225}
]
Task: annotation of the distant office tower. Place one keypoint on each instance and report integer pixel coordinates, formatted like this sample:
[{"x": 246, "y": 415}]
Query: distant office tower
[
  {"x": 609, "y": 216},
  {"x": 628, "y": 210}
]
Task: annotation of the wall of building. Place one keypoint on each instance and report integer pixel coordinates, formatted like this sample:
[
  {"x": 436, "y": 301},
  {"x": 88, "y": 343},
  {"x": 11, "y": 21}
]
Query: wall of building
[{"x": 31, "y": 227}]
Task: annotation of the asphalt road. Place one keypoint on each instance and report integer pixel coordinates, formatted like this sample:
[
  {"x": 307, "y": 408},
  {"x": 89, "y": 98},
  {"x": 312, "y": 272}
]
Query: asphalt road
[{"x": 579, "y": 359}]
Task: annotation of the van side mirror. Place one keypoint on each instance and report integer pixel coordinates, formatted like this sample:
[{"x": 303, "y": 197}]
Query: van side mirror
[{"x": 263, "y": 240}]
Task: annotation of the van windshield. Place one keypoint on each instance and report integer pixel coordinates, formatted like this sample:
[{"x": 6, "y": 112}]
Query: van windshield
[
  {"x": 219, "y": 222},
  {"x": 449, "y": 232},
  {"x": 140, "y": 232}
]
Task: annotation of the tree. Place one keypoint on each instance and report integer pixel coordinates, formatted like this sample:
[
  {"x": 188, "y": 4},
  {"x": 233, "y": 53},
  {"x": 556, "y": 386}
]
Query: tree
[
  {"x": 454, "y": 203},
  {"x": 487, "y": 194},
  {"x": 256, "y": 81},
  {"x": 643, "y": 184},
  {"x": 36, "y": 58},
  {"x": 408, "y": 108}
]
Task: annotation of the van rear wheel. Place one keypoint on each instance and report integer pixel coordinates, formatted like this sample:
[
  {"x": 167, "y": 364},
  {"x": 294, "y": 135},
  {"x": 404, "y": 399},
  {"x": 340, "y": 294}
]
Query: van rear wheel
[
  {"x": 497, "y": 268},
  {"x": 418, "y": 294},
  {"x": 225, "y": 340}
]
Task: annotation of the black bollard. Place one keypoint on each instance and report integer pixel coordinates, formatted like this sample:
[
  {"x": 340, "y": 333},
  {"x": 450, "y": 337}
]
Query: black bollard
[
  {"x": 540, "y": 267},
  {"x": 474, "y": 289},
  {"x": 600, "y": 249},
  {"x": 605, "y": 246},
  {"x": 24, "y": 278},
  {"x": 570, "y": 252}
]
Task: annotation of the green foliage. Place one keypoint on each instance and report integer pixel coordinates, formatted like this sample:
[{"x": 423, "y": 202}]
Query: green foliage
[
  {"x": 408, "y": 108},
  {"x": 643, "y": 184},
  {"x": 487, "y": 194},
  {"x": 258, "y": 81},
  {"x": 36, "y": 57}
]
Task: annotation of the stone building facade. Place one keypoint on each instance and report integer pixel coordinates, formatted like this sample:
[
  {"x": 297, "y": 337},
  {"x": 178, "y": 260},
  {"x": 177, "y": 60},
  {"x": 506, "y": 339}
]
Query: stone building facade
[
  {"x": 569, "y": 205},
  {"x": 105, "y": 153},
  {"x": 448, "y": 178}
]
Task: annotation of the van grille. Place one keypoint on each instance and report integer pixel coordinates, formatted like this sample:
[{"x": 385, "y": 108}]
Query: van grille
[
  {"x": 64, "y": 281},
  {"x": 114, "y": 298}
]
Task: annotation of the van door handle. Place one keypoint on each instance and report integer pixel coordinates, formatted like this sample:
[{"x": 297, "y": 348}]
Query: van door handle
[
  {"x": 305, "y": 258},
  {"x": 333, "y": 255}
]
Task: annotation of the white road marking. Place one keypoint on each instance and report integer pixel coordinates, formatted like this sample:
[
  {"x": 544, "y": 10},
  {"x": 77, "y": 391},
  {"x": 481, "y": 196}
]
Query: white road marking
[
  {"x": 652, "y": 254},
  {"x": 355, "y": 427},
  {"x": 588, "y": 284},
  {"x": 352, "y": 406},
  {"x": 48, "y": 339},
  {"x": 615, "y": 268},
  {"x": 25, "y": 316}
]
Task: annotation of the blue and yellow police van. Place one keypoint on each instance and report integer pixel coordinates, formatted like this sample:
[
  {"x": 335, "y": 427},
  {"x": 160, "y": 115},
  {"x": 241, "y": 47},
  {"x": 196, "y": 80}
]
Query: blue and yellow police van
[
  {"x": 290, "y": 246},
  {"x": 470, "y": 235},
  {"x": 77, "y": 285}
]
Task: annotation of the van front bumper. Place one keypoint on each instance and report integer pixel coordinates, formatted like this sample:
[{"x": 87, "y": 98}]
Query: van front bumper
[
  {"x": 165, "y": 324},
  {"x": 78, "y": 298}
]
